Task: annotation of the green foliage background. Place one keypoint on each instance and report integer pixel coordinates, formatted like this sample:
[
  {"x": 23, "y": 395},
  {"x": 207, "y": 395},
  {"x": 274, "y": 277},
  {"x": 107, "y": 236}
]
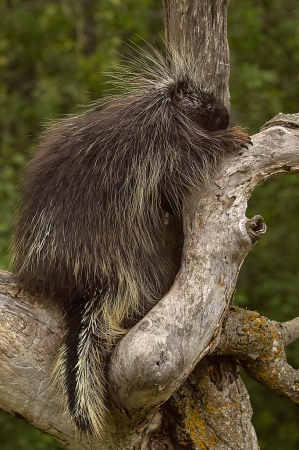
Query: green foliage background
[{"x": 52, "y": 57}]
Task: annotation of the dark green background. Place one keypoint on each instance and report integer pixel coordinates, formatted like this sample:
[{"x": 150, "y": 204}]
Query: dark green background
[{"x": 52, "y": 55}]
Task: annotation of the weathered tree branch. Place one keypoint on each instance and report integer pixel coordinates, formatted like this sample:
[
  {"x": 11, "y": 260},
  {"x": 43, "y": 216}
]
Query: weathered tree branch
[
  {"x": 290, "y": 331},
  {"x": 212, "y": 408},
  {"x": 218, "y": 238}
]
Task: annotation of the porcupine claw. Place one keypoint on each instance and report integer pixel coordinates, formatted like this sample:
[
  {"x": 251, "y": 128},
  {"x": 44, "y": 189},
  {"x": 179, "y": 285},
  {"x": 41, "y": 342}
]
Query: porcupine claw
[{"x": 245, "y": 144}]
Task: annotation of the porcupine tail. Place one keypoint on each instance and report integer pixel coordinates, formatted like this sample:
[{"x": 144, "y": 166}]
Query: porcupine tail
[{"x": 82, "y": 362}]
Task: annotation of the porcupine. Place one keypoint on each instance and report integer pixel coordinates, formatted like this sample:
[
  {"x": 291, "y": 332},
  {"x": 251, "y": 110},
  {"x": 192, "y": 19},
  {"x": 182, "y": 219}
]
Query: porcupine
[{"x": 88, "y": 233}]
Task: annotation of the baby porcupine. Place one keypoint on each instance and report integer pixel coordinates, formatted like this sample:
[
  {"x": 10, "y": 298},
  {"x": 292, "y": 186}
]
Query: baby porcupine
[{"x": 89, "y": 227}]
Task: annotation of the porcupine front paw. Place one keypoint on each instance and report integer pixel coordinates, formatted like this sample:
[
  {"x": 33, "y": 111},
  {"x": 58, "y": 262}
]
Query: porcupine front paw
[
  {"x": 241, "y": 138},
  {"x": 245, "y": 144}
]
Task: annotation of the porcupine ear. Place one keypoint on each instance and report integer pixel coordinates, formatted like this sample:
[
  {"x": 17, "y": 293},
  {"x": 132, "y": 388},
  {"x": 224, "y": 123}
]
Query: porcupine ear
[{"x": 178, "y": 96}]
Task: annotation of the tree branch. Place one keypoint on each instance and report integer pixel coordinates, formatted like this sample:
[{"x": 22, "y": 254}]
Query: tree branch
[
  {"x": 259, "y": 344},
  {"x": 290, "y": 331},
  {"x": 157, "y": 355}
]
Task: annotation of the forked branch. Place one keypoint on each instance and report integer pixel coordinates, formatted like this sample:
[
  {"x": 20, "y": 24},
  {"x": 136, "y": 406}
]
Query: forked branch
[{"x": 158, "y": 354}]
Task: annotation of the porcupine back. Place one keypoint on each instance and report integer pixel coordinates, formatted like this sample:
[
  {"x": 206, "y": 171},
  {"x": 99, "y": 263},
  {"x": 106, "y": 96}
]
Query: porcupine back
[{"x": 89, "y": 234}]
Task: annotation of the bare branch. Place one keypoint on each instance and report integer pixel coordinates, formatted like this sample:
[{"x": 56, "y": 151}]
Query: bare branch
[
  {"x": 290, "y": 331},
  {"x": 30, "y": 331}
]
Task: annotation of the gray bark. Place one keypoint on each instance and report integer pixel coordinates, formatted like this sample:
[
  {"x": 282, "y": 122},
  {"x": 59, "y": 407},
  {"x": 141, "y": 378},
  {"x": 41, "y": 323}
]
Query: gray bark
[{"x": 200, "y": 28}]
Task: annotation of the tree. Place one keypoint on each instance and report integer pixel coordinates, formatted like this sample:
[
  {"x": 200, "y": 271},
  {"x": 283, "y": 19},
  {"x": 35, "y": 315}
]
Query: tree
[{"x": 167, "y": 343}]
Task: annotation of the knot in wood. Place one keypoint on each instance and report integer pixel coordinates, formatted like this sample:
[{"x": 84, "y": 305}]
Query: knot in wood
[{"x": 255, "y": 227}]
